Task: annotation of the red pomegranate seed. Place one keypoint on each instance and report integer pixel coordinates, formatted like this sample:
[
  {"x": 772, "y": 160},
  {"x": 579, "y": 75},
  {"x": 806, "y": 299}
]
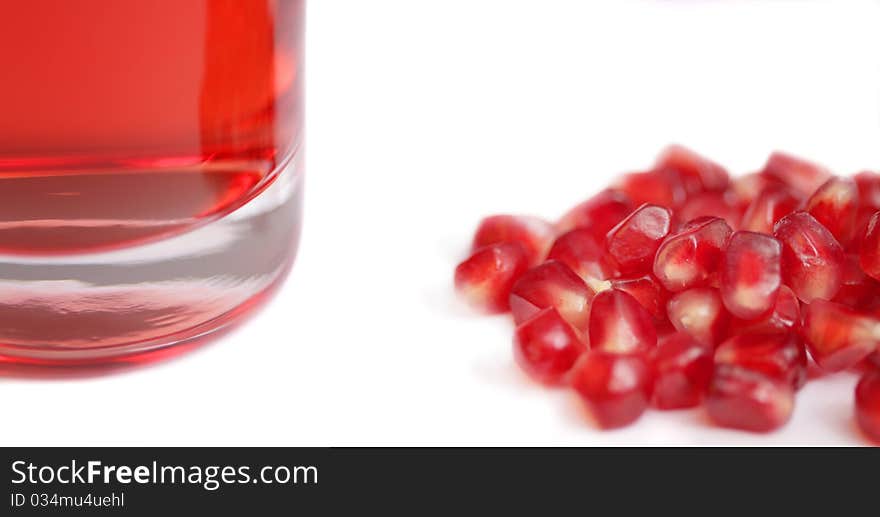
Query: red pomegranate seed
[
  {"x": 533, "y": 233},
  {"x": 616, "y": 388},
  {"x": 750, "y": 274},
  {"x": 552, "y": 284},
  {"x": 771, "y": 205},
  {"x": 869, "y": 202},
  {"x": 743, "y": 399},
  {"x": 682, "y": 369},
  {"x": 546, "y": 347},
  {"x": 787, "y": 312},
  {"x": 700, "y": 313},
  {"x": 869, "y": 257},
  {"x": 862, "y": 221},
  {"x": 649, "y": 293},
  {"x": 633, "y": 243},
  {"x": 803, "y": 176},
  {"x": 703, "y": 173},
  {"x": 735, "y": 313},
  {"x": 619, "y": 323},
  {"x": 659, "y": 187},
  {"x": 785, "y": 317},
  {"x": 857, "y": 289},
  {"x": 779, "y": 356},
  {"x": 868, "y": 405},
  {"x": 868, "y": 183},
  {"x": 748, "y": 187},
  {"x": 836, "y": 206},
  {"x": 716, "y": 204},
  {"x": 838, "y": 337},
  {"x": 598, "y": 214},
  {"x": 690, "y": 258},
  {"x": 485, "y": 279},
  {"x": 812, "y": 259},
  {"x": 583, "y": 254}
]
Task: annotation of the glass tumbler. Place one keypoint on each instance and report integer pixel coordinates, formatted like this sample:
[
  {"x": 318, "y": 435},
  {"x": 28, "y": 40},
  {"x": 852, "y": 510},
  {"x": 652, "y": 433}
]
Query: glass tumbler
[{"x": 150, "y": 170}]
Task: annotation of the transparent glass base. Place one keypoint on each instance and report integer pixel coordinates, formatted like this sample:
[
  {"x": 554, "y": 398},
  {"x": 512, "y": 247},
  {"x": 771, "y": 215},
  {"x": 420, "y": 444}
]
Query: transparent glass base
[{"x": 88, "y": 308}]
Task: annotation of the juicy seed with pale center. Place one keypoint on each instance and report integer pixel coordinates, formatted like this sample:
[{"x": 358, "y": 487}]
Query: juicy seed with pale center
[
  {"x": 546, "y": 347},
  {"x": 485, "y": 279},
  {"x": 583, "y": 254},
  {"x": 619, "y": 323},
  {"x": 836, "y": 206},
  {"x": 598, "y": 214},
  {"x": 533, "y": 233},
  {"x": 742, "y": 399},
  {"x": 771, "y": 205},
  {"x": 799, "y": 174},
  {"x": 812, "y": 259},
  {"x": 750, "y": 274},
  {"x": 633, "y": 243},
  {"x": 700, "y": 313},
  {"x": 682, "y": 370},
  {"x": 837, "y": 336},
  {"x": 615, "y": 388},
  {"x": 690, "y": 258},
  {"x": 552, "y": 284},
  {"x": 776, "y": 355}
]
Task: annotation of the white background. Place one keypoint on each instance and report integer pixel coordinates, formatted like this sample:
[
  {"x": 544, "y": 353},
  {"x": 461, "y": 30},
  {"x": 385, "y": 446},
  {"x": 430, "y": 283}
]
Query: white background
[{"x": 425, "y": 115}]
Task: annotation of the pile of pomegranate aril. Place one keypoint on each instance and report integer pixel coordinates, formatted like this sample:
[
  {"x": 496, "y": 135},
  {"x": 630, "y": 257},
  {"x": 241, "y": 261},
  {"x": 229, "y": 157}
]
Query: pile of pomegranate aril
[{"x": 680, "y": 287}]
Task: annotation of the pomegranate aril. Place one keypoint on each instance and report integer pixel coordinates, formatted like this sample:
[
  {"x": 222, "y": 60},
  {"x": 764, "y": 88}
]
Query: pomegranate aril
[
  {"x": 659, "y": 187},
  {"x": 869, "y": 256},
  {"x": 837, "y": 336},
  {"x": 649, "y": 293},
  {"x": 616, "y": 388},
  {"x": 546, "y": 347},
  {"x": 598, "y": 214},
  {"x": 583, "y": 254},
  {"x": 696, "y": 170},
  {"x": 868, "y": 405},
  {"x": 682, "y": 369},
  {"x": 743, "y": 399},
  {"x": 750, "y": 274},
  {"x": 785, "y": 317},
  {"x": 801, "y": 175},
  {"x": 787, "y": 311},
  {"x": 690, "y": 258},
  {"x": 619, "y": 323},
  {"x": 836, "y": 206},
  {"x": 486, "y": 277},
  {"x": 869, "y": 202},
  {"x": 666, "y": 304},
  {"x": 862, "y": 221},
  {"x": 857, "y": 289},
  {"x": 812, "y": 259},
  {"x": 633, "y": 243},
  {"x": 776, "y": 355},
  {"x": 868, "y": 183},
  {"x": 748, "y": 187},
  {"x": 700, "y": 313},
  {"x": 716, "y": 204},
  {"x": 551, "y": 284},
  {"x": 771, "y": 205},
  {"x": 533, "y": 233}
]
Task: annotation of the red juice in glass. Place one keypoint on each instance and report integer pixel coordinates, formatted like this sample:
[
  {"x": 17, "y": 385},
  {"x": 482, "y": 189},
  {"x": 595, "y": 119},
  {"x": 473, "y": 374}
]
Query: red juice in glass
[{"x": 150, "y": 178}]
